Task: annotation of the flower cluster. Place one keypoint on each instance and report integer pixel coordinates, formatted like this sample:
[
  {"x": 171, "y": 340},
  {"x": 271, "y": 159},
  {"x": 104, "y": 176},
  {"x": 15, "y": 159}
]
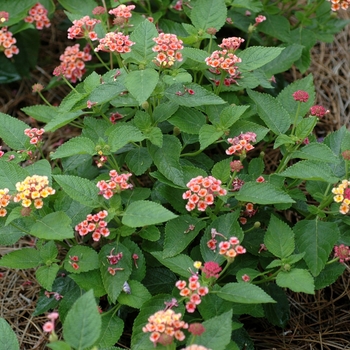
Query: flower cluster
[
  {"x": 231, "y": 44},
  {"x": 38, "y": 16},
  {"x": 301, "y": 96},
  {"x": 33, "y": 189},
  {"x": 4, "y": 201},
  {"x": 115, "y": 42},
  {"x": 7, "y": 43},
  {"x": 342, "y": 195},
  {"x": 168, "y": 46},
  {"x": 342, "y": 252},
  {"x": 202, "y": 191},
  {"x": 4, "y": 16},
  {"x": 95, "y": 224},
  {"x": 318, "y": 111},
  {"x": 34, "y": 134},
  {"x": 259, "y": 19},
  {"x": 211, "y": 244},
  {"x": 122, "y": 14},
  {"x": 83, "y": 28},
  {"x": 195, "y": 347},
  {"x": 231, "y": 248},
  {"x": 49, "y": 326},
  {"x": 211, "y": 269},
  {"x": 194, "y": 292},
  {"x": 241, "y": 144},
  {"x": 164, "y": 326},
  {"x": 340, "y": 4},
  {"x": 72, "y": 65},
  {"x": 116, "y": 184}
]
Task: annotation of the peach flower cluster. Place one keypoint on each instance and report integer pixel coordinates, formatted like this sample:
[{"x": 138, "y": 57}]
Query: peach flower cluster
[
  {"x": 168, "y": 46},
  {"x": 34, "y": 134},
  {"x": 241, "y": 144},
  {"x": 231, "y": 44},
  {"x": 32, "y": 190},
  {"x": 342, "y": 195},
  {"x": 122, "y": 11},
  {"x": 164, "y": 326},
  {"x": 116, "y": 184},
  {"x": 202, "y": 191},
  {"x": 72, "y": 65},
  {"x": 38, "y": 16},
  {"x": 83, "y": 28},
  {"x": 222, "y": 60},
  {"x": 4, "y": 201},
  {"x": 7, "y": 43},
  {"x": 115, "y": 42},
  {"x": 231, "y": 248},
  {"x": 340, "y": 4},
  {"x": 95, "y": 224},
  {"x": 193, "y": 291}
]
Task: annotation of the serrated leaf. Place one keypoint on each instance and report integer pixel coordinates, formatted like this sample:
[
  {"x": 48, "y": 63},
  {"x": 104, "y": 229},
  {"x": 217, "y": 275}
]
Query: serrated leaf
[
  {"x": 42, "y": 113},
  {"x": 230, "y": 115},
  {"x": 179, "y": 264},
  {"x": 48, "y": 252},
  {"x": 271, "y": 112},
  {"x": 310, "y": 170},
  {"x": 77, "y": 8},
  {"x": 151, "y": 233},
  {"x": 262, "y": 193},
  {"x": 305, "y": 127},
  {"x": 279, "y": 238},
  {"x": 87, "y": 259},
  {"x": 137, "y": 297},
  {"x": 24, "y": 258},
  {"x": 12, "y": 132},
  {"x": 142, "y": 213},
  {"x": 8, "y": 337},
  {"x": 122, "y": 134},
  {"x": 276, "y": 26},
  {"x": 208, "y": 134},
  {"x": 316, "y": 151},
  {"x": 55, "y": 226},
  {"x": 155, "y": 136},
  {"x": 138, "y": 160},
  {"x": 256, "y": 56},
  {"x": 46, "y": 275},
  {"x": 222, "y": 170},
  {"x": 90, "y": 280},
  {"x": 82, "y": 325},
  {"x": 61, "y": 119},
  {"x": 112, "y": 329},
  {"x": 139, "y": 265},
  {"x": 41, "y": 167},
  {"x": 164, "y": 111},
  {"x": 329, "y": 275},
  {"x": 297, "y": 280},
  {"x": 79, "y": 189},
  {"x": 10, "y": 174},
  {"x": 74, "y": 146},
  {"x": 245, "y": 293},
  {"x": 195, "y": 54},
  {"x": 59, "y": 345},
  {"x": 209, "y": 14},
  {"x": 188, "y": 120},
  {"x": 317, "y": 239}
]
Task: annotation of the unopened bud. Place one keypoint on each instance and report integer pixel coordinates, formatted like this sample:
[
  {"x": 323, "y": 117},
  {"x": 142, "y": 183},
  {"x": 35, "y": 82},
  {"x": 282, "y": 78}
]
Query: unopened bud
[
  {"x": 145, "y": 105},
  {"x": 211, "y": 31},
  {"x": 257, "y": 224}
]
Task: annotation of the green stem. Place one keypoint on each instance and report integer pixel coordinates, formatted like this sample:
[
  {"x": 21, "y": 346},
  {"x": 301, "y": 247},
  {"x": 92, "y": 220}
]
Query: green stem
[
  {"x": 44, "y": 99},
  {"x": 193, "y": 154},
  {"x": 296, "y": 118},
  {"x": 69, "y": 84}
]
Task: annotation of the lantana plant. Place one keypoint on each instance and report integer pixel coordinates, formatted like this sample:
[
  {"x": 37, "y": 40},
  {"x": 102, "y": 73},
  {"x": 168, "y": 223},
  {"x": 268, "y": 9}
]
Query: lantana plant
[{"x": 162, "y": 212}]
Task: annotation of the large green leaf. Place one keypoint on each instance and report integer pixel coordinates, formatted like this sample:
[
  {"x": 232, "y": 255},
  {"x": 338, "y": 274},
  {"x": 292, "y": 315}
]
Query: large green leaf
[
  {"x": 112, "y": 329},
  {"x": 178, "y": 264},
  {"x": 76, "y": 145},
  {"x": 317, "y": 239},
  {"x": 79, "y": 8},
  {"x": 297, "y": 280},
  {"x": 256, "y": 56},
  {"x": 137, "y": 297},
  {"x": 316, "y": 151},
  {"x": 82, "y": 325},
  {"x": 46, "y": 275},
  {"x": 42, "y": 113},
  {"x": 8, "y": 337},
  {"x": 122, "y": 134},
  {"x": 138, "y": 160},
  {"x": 12, "y": 132},
  {"x": 24, "y": 258},
  {"x": 142, "y": 213},
  {"x": 188, "y": 120},
  {"x": 208, "y": 134},
  {"x": 87, "y": 259},
  {"x": 207, "y": 14},
  {"x": 10, "y": 174},
  {"x": 61, "y": 119},
  {"x": 262, "y": 193}
]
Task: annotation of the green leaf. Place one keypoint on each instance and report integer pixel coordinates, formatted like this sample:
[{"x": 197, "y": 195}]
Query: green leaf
[
  {"x": 179, "y": 264},
  {"x": 297, "y": 280},
  {"x": 76, "y": 145},
  {"x": 222, "y": 170},
  {"x": 159, "y": 280},
  {"x": 82, "y": 325},
  {"x": 143, "y": 36},
  {"x": 78, "y": 8},
  {"x": 41, "y": 167},
  {"x": 229, "y": 115},
  {"x": 12, "y": 132},
  {"x": 310, "y": 170},
  {"x": 196, "y": 55},
  {"x": 42, "y": 113},
  {"x": 215, "y": 337},
  {"x": 271, "y": 112},
  {"x": 305, "y": 127},
  {"x": 138, "y": 160},
  {"x": 122, "y": 134},
  {"x": 87, "y": 259},
  {"x": 208, "y": 134},
  {"x": 103, "y": 93},
  {"x": 112, "y": 329},
  {"x": 317, "y": 239},
  {"x": 188, "y": 120},
  {"x": 276, "y": 26},
  {"x": 245, "y": 293},
  {"x": 48, "y": 252},
  {"x": 329, "y": 275},
  {"x": 155, "y": 135},
  {"x": 201, "y": 96},
  {"x": 79, "y": 189},
  {"x": 59, "y": 345},
  {"x": 61, "y": 119},
  {"x": 142, "y": 213},
  {"x": 316, "y": 151},
  {"x": 179, "y": 234},
  {"x": 151, "y": 233},
  {"x": 262, "y": 193},
  {"x": 55, "y": 226},
  {"x": 10, "y": 174},
  {"x": 141, "y": 83},
  {"x": 90, "y": 280},
  {"x": 279, "y": 238},
  {"x": 8, "y": 337},
  {"x": 256, "y": 56},
  {"x": 283, "y": 139},
  {"x": 137, "y": 297},
  {"x": 46, "y": 275},
  {"x": 114, "y": 283},
  {"x": 24, "y": 258},
  {"x": 209, "y": 14},
  {"x": 164, "y": 111}
]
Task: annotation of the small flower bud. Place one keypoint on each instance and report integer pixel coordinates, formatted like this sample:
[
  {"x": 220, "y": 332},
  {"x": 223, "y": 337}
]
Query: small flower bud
[{"x": 211, "y": 31}]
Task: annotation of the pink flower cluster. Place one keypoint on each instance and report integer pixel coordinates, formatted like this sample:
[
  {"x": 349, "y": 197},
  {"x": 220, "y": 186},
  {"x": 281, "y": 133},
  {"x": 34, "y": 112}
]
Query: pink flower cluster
[
  {"x": 202, "y": 191},
  {"x": 34, "y": 134},
  {"x": 38, "y": 15},
  {"x": 259, "y": 19},
  {"x": 342, "y": 252},
  {"x": 115, "y": 42},
  {"x": 116, "y": 184},
  {"x": 95, "y": 224},
  {"x": 241, "y": 144},
  {"x": 194, "y": 292},
  {"x": 7, "y": 43},
  {"x": 231, "y": 248},
  {"x": 83, "y": 28},
  {"x": 340, "y": 4},
  {"x": 301, "y": 96},
  {"x": 122, "y": 11},
  {"x": 4, "y": 16},
  {"x": 168, "y": 46},
  {"x": 318, "y": 111},
  {"x": 49, "y": 326},
  {"x": 211, "y": 269},
  {"x": 231, "y": 44},
  {"x": 72, "y": 66}
]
